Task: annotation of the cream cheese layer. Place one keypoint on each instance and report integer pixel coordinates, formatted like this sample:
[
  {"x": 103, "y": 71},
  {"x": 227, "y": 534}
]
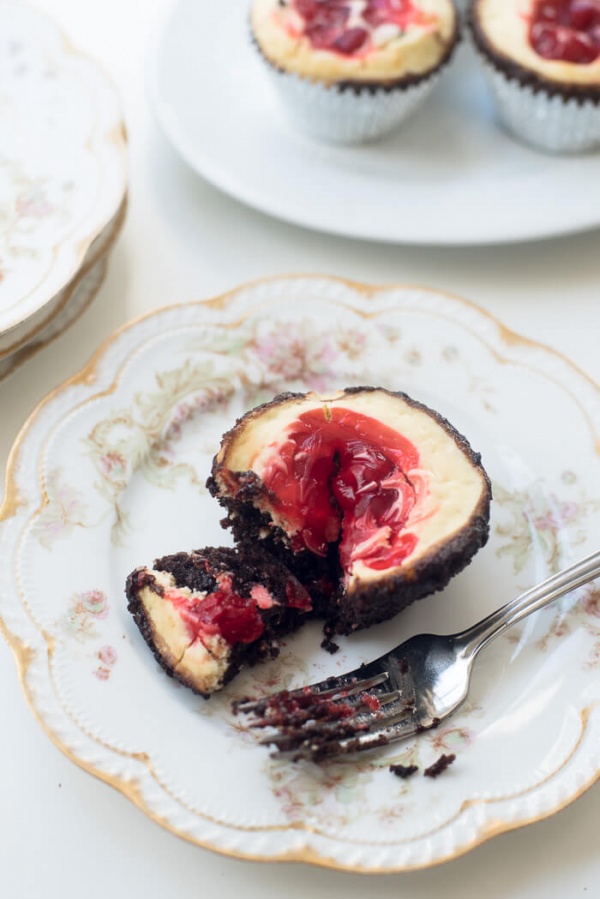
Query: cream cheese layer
[{"x": 201, "y": 663}]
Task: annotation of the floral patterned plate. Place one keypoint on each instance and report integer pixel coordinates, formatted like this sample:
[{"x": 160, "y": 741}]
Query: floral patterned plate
[
  {"x": 109, "y": 473},
  {"x": 68, "y": 304},
  {"x": 62, "y": 164}
]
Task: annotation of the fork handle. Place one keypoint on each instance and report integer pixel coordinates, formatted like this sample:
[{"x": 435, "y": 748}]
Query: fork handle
[{"x": 478, "y": 636}]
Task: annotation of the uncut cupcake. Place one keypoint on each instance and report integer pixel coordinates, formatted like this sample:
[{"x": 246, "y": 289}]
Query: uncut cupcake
[
  {"x": 350, "y": 71},
  {"x": 542, "y": 58}
]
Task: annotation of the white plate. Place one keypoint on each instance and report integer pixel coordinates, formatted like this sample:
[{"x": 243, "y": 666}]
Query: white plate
[
  {"x": 68, "y": 304},
  {"x": 62, "y": 164},
  {"x": 65, "y": 306},
  {"x": 450, "y": 176},
  {"x": 109, "y": 473}
]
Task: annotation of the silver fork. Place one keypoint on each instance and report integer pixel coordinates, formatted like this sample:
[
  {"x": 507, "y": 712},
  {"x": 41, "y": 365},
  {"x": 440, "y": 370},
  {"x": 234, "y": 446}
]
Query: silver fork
[{"x": 410, "y": 689}]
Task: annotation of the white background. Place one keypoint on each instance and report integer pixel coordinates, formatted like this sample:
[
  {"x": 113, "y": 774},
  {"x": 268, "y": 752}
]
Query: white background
[{"x": 65, "y": 834}]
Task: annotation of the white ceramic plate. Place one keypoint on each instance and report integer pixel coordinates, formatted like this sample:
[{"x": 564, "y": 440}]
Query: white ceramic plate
[
  {"x": 62, "y": 164},
  {"x": 66, "y": 306},
  {"x": 75, "y": 298},
  {"x": 450, "y": 176},
  {"x": 109, "y": 473}
]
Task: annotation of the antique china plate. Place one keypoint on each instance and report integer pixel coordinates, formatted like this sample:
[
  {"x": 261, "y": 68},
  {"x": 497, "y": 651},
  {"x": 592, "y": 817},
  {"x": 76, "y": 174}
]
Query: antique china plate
[
  {"x": 68, "y": 304},
  {"x": 109, "y": 473},
  {"x": 451, "y": 176},
  {"x": 63, "y": 171}
]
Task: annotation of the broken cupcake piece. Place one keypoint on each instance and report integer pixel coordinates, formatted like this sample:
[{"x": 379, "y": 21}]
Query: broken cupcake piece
[
  {"x": 208, "y": 613},
  {"x": 372, "y": 499}
]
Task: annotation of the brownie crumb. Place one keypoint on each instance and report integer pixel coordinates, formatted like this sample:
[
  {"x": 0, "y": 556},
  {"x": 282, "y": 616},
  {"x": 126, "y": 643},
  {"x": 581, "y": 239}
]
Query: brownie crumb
[
  {"x": 404, "y": 771},
  {"x": 440, "y": 766},
  {"x": 329, "y": 645}
]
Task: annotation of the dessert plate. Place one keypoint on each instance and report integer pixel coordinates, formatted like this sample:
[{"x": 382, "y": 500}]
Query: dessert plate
[
  {"x": 62, "y": 167},
  {"x": 67, "y": 305},
  {"x": 109, "y": 473},
  {"x": 450, "y": 176}
]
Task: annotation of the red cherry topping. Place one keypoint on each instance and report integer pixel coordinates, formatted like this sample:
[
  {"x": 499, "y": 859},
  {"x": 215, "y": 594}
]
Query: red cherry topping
[
  {"x": 351, "y": 40},
  {"x": 296, "y": 595},
  {"x": 567, "y": 30},
  {"x": 341, "y": 476},
  {"x": 328, "y": 27},
  {"x": 223, "y": 612}
]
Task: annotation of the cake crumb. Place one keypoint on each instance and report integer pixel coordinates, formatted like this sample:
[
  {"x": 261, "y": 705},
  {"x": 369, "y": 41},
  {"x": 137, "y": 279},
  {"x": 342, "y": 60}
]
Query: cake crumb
[
  {"x": 439, "y": 766},
  {"x": 329, "y": 645},
  {"x": 404, "y": 771}
]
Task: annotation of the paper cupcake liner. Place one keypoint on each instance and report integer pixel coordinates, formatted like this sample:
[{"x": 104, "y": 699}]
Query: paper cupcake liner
[
  {"x": 546, "y": 121},
  {"x": 344, "y": 114}
]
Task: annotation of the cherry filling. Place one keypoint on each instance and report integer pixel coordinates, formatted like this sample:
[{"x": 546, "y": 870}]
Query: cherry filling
[
  {"x": 226, "y": 614},
  {"x": 222, "y": 613},
  {"x": 568, "y": 30},
  {"x": 343, "y": 474},
  {"x": 338, "y": 26}
]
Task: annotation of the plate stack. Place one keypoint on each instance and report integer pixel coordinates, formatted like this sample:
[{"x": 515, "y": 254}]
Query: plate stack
[{"x": 63, "y": 182}]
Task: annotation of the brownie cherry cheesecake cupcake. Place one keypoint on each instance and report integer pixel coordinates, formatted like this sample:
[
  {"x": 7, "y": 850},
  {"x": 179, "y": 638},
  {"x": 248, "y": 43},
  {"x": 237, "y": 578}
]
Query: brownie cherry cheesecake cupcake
[
  {"x": 352, "y": 70},
  {"x": 372, "y": 499},
  {"x": 542, "y": 58}
]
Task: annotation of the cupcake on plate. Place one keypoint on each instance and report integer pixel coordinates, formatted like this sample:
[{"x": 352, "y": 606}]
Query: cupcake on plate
[
  {"x": 542, "y": 58},
  {"x": 350, "y": 71}
]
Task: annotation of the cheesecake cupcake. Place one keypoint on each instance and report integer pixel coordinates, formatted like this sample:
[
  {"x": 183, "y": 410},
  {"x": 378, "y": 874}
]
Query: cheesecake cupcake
[
  {"x": 350, "y": 71},
  {"x": 371, "y": 499},
  {"x": 542, "y": 59}
]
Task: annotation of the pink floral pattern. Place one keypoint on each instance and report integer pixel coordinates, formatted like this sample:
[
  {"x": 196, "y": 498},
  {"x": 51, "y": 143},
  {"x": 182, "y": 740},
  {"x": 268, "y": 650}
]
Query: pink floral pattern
[
  {"x": 85, "y": 610},
  {"x": 64, "y": 511},
  {"x": 107, "y": 657},
  {"x": 288, "y": 356},
  {"x": 543, "y": 517}
]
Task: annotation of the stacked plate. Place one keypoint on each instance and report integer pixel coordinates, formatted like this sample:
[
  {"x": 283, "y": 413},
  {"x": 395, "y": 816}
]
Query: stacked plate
[{"x": 63, "y": 182}]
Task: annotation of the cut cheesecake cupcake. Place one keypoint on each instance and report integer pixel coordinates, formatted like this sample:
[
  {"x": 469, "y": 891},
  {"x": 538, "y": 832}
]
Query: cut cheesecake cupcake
[
  {"x": 542, "y": 58},
  {"x": 371, "y": 498},
  {"x": 207, "y": 613},
  {"x": 352, "y": 70}
]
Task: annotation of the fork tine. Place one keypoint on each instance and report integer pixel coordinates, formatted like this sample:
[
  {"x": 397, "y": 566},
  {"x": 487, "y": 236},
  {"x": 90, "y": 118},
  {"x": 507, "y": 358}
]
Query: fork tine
[
  {"x": 323, "y": 714},
  {"x": 318, "y": 749},
  {"x": 371, "y": 706},
  {"x": 314, "y": 736},
  {"x": 346, "y": 718},
  {"x": 347, "y": 685}
]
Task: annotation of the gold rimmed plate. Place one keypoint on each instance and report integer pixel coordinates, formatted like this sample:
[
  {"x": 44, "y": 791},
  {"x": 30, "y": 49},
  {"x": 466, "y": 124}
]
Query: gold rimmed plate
[
  {"x": 68, "y": 304},
  {"x": 109, "y": 473}
]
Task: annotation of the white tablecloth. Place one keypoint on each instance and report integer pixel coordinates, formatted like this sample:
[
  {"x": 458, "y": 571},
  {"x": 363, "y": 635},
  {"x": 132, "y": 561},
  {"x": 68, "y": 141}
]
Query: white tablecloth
[{"x": 65, "y": 834}]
